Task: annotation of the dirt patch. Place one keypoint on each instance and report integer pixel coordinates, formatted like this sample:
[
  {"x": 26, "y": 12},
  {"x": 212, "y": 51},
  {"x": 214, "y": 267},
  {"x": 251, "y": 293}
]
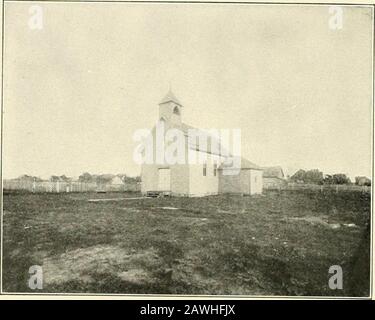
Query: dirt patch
[
  {"x": 315, "y": 220},
  {"x": 81, "y": 264},
  {"x": 193, "y": 221},
  {"x": 116, "y": 199},
  {"x": 311, "y": 219},
  {"x": 136, "y": 276}
]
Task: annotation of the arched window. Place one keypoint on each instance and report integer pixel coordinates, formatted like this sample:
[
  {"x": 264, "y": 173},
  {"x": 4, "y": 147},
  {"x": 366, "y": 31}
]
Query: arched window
[{"x": 176, "y": 110}]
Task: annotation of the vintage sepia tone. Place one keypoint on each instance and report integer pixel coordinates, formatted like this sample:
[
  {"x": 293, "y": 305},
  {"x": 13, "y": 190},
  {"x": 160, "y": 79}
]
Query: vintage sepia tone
[{"x": 187, "y": 149}]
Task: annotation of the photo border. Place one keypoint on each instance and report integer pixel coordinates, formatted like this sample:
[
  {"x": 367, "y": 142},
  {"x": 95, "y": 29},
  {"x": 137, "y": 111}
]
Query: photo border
[{"x": 120, "y": 296}]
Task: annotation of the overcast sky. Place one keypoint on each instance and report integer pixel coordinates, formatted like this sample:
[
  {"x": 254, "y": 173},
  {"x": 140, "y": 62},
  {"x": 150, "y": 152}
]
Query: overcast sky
[{"x": 76, "y": 90}]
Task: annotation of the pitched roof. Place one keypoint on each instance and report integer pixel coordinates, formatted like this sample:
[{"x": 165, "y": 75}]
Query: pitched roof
[
  {"x": 213, "y": 145},
  {"x": 245, "y": 164},
  {"x": 273, "y": 172},
  {"x": 212, "y": 140},
  {"x": 170, "y": 97}
]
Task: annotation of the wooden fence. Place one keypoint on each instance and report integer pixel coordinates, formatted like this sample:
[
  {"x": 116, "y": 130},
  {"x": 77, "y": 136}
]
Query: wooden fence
[
  {"x": 321, "y": 188},
  {"x": 58, "y": 186}
]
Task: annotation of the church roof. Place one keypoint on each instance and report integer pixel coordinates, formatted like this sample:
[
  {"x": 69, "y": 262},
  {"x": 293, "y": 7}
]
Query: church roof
[
  {"x": 190, "y": 131},
  {"x": 170, "y": 97},
  {"x": 208, "y": 147}
]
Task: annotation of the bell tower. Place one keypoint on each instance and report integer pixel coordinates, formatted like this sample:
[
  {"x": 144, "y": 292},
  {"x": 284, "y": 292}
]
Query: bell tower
[{"x": 170, "y": 109}]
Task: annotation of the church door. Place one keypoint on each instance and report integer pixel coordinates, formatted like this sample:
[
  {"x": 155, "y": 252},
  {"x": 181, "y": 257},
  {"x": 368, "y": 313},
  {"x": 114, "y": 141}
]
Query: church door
[{"x": 164, "y": 180}]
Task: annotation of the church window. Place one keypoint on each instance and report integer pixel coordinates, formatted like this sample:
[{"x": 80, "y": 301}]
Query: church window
[
  {"x": 176, "y": 110},
  {"x": 205, "y": 170}
]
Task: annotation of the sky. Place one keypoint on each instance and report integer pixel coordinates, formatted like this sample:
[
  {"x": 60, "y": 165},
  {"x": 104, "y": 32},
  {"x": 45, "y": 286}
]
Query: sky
[{"x": 76, "y": 90}]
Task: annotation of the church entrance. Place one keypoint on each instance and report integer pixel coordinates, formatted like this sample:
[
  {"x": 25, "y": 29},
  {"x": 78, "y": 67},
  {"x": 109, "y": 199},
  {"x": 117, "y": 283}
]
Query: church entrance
[{"x": 164, "y": 182}]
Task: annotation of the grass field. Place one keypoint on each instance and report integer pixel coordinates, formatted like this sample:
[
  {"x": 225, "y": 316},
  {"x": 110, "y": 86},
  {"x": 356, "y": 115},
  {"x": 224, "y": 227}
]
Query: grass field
[{"x": 275, "y": 244}]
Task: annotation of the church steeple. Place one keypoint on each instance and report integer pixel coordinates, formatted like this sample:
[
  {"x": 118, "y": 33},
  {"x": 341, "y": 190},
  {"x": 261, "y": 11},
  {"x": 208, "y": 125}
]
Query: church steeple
[
  {"x": 170, "y": 97},
  {"x": 170, "y": 108}
]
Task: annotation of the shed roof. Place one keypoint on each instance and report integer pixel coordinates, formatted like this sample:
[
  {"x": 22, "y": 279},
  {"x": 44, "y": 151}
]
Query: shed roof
[
  {"x": 273, "y": 172},
  {"x": 245, "y": 164}
]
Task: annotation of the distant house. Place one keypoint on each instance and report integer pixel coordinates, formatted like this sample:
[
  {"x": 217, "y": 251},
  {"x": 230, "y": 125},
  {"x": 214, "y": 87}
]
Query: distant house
[
  {"x": 273, "y": 177},
  {"x": 363, "y": 181},
  {"x": 116, "y": 180},
  {"x": 116, "y": 184},
  {"x": 109, "y": 182}
]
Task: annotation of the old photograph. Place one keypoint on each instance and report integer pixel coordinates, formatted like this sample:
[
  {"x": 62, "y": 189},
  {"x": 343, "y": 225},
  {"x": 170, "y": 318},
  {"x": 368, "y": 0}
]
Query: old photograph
[{"x": 187, "y": 149}]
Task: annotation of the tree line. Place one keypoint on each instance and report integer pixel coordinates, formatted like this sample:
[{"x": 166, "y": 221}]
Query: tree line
[{"x": 316, "y": 176}]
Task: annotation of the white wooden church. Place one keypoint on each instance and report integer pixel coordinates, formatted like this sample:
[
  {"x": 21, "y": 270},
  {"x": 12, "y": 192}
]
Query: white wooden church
[{"x": 200, "y": 179}]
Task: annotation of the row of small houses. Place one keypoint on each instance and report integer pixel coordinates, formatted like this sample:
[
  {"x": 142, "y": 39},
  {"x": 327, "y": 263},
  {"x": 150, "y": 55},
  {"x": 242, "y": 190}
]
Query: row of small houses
[{"x": 58, "y": 185}]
